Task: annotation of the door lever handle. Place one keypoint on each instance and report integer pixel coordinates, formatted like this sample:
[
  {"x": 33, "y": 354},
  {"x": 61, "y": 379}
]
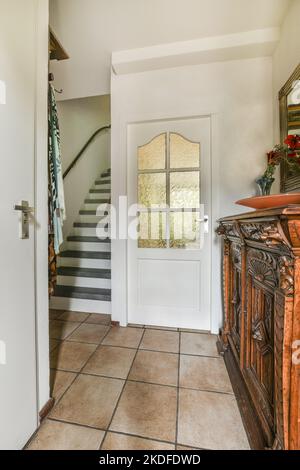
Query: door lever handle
[
  {"x": 24, "y": 207},
  {"x": 24, "y": 220},
  {"x": 205, "y": 222}
]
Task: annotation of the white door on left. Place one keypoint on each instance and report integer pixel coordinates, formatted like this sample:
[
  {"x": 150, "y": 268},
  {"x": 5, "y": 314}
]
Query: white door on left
[{"x": 18, "y": 378}]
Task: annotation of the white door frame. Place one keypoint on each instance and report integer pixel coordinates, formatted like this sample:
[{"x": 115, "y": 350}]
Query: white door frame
[
  {"x": 195, "y": 311},
  {"x": 119, "y": 188},
  {"x": 41, "y": 205}
]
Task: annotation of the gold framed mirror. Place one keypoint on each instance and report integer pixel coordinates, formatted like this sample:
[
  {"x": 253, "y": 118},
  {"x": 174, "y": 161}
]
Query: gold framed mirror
[{"x": 289, "y": 109}]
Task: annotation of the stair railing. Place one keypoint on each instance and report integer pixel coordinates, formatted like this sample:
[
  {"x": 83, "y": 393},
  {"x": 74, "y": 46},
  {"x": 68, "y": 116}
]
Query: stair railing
[{"x": 84, "y": 149}]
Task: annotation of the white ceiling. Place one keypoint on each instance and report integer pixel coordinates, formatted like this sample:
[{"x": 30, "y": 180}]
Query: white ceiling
[{"x": 91, "y": 30}]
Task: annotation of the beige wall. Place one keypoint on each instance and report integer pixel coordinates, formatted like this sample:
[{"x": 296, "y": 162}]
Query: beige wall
[
  {"x": 286, "y": 57},
  {"x": 79, "y": 119}
]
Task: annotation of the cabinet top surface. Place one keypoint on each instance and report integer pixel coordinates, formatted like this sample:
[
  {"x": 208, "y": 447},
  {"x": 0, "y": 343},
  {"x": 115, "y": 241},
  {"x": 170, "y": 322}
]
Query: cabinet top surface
[{"x": 290, "y": 210}]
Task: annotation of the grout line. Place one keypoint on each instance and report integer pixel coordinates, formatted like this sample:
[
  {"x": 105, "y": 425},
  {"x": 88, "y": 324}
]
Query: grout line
[
  {"x": 178, "y": 382},
  {"x": 77, "y": 374},
  {"x": 125, "y": 382},
  {"x": 221, "y": 392},
  {"x": 141, "y": 437}
]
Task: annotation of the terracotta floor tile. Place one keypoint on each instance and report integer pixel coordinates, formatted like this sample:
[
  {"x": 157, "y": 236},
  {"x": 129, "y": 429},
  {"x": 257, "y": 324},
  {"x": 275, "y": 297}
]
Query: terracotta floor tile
[
  {"x": 126, "y": 337},
  {"x": 158, "y": 340},
  {"x": 110, "y": 362},
  {"x": 114, "y": 441},
  {"x": 71, "y": 356},
  {"x": 204, "y": 373},
  {"x": 147, "y": 410},
  {"x": 53, "y": 343},
  {"x": 53, "y": 314},
  {"x": 199, "y": 344},
  {"x": 99, "y": 319},
  {"x": 74, "y": 316},
  {"x": 61, "y": 329},
  {"x": 61, "y": 436},
  {"x": 209, "y": 420},
  {"x": 155, "y": 367},
  {"x": 59, "y": 382},
  {"x": 89, "y": 333},
  {"x": 185, "y": 448},
  {"x": 89, "y": 401}
]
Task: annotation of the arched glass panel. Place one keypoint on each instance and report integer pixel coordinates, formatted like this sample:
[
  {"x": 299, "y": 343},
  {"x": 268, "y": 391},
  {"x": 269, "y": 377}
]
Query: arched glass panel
[
  {"x": 183, "y": 152},
  {"x": 152, "y": 156}
]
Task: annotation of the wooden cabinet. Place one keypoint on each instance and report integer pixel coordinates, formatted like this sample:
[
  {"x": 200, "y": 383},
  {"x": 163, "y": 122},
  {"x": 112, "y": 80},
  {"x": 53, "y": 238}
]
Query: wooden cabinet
[{"x": 261, "y": 334}]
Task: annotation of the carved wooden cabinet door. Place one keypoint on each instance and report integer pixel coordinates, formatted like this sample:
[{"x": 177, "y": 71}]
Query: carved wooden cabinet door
[
  {"x": 235, "y": 306},
  {"x": 262, "y": 281}
]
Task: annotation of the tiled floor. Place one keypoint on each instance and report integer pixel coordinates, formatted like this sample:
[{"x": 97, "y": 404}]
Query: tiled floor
[{"x": 136, "y": 388}]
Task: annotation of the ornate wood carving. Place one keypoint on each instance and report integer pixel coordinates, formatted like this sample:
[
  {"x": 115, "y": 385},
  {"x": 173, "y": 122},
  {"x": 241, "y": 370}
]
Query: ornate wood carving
[
  {"x": 263, "y": 267},
  {"x": 261, "y": 282}
]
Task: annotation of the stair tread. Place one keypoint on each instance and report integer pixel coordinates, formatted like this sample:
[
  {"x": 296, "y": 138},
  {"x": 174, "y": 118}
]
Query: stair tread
[
  {"x": 89, "y": 224},
  {"x": 99, "y": 191},
  {"x": 97, "y": 201},
  {"x": 85, "y": 254},
  {"x": 88, "y": 293},
  {"x": 89, "y": 212},
  {"x": 103, "y": 182},
  {"x": 78, "y": 238},
  {"x": 84, "y": 272}
]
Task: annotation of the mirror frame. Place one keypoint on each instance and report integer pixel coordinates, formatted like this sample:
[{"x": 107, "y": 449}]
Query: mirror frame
[{"x": 287, "y": 182}]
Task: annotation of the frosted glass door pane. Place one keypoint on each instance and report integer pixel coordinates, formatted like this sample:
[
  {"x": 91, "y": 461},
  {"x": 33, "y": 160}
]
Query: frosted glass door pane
[
  {"x": 152, "y": 233},
  {"x": 152, "y": 156},
  {"x": 152, "y": 190},
  {"x": 185, "y": 190},
  {"x": 184, "y": 230},
  {"x": 183, "y": 152}
]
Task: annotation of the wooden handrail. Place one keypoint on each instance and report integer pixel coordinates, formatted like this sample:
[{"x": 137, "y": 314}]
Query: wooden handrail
[{"x": 84, "y": 148}]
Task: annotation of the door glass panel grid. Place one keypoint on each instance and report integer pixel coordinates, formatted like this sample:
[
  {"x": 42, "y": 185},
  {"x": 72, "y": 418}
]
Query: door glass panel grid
[{"x": 182, "y": 211}]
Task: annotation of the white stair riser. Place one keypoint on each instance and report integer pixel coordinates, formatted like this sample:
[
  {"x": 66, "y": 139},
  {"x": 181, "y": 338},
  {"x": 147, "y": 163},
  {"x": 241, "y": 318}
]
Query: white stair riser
[
  {"x": 84, "y": 263},
  {"x": 94, "y": 207},
  {"x": 104, "y": 178},
  {"x": 102, "y": 186},
  {"x": 88, "y": 232},
  {"x": 83, "y": 282},
  {"x": 99, "y": 195},
  {"x": 80, "y": 305},
  {"x": 90, "y": 218},
  {"x": 87, "y": 246}
]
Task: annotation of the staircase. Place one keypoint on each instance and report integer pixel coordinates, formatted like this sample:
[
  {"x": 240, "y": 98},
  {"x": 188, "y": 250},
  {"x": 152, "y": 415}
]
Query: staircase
[{"x": 84, "y": 266}]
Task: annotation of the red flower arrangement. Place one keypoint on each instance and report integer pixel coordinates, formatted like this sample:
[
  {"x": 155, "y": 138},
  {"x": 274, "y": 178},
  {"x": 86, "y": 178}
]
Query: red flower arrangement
[{"x": 289, "y": 152}]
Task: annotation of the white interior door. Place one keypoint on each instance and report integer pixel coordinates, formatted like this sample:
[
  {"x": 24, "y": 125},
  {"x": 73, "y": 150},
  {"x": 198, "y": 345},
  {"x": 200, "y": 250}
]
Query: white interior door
[
  {"x": 18, "y": 388},
  {"x": 169, "y": 171}
]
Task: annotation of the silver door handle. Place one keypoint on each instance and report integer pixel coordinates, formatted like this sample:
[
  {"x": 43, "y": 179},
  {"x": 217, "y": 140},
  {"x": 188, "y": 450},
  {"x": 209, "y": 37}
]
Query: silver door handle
[
  {"x": 24, "y": 221},
  {"x": 24, "y": 207},
  {"x": 204, "y": 220}
]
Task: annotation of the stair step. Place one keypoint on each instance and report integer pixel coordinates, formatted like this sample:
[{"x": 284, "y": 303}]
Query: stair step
[
  {"x": 80, "y": 305},
  {"x": 90, "y": 232},
  {"x": 98, "y": 191},
  {"x": 89, "y": 224},
  {"x": 85, "y": 254},
  {"x": 97, "y": 201},
  {"x": 87, "y": 293},
  {"x": 103, "y": 182},
  {"x": 90, "y": 212},
  {"x": 84, "y": 272},
  {"x": 77, "y": 238}
]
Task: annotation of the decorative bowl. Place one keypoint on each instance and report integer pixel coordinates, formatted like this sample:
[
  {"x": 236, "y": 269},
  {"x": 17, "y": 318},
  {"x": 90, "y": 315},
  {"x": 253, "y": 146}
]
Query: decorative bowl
[{"x": 267, "y": 202}]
